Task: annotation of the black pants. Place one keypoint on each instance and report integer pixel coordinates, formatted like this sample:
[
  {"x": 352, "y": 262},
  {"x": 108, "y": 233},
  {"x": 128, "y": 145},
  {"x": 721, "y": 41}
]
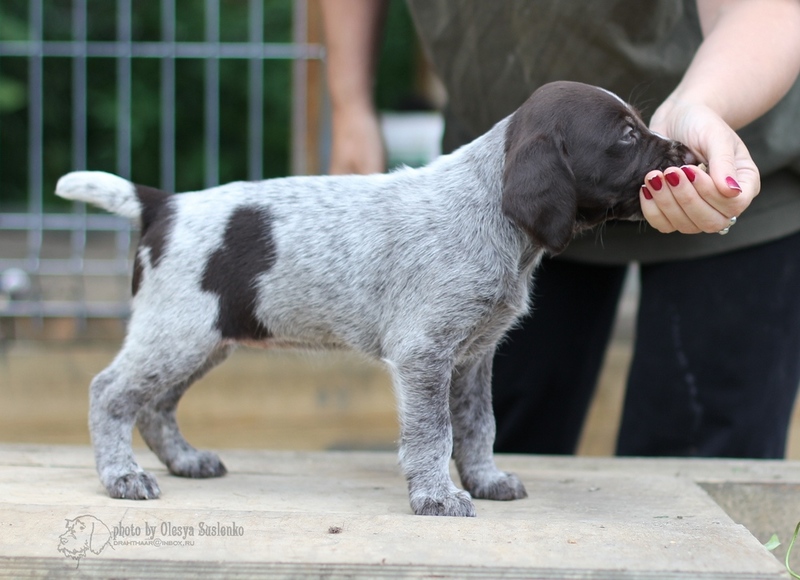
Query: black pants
[{"x": 716, "y": 361}]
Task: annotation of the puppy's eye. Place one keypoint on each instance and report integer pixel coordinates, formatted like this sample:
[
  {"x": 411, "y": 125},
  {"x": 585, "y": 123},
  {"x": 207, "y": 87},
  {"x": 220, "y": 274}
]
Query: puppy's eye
[{"x": 629, "y": 135}]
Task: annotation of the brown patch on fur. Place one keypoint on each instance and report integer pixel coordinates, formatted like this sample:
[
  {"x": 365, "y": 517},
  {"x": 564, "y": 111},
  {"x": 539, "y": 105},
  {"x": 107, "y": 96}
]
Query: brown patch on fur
[
  {"x": 248, "y": 249},
  {"x": 157, "y": 217}
]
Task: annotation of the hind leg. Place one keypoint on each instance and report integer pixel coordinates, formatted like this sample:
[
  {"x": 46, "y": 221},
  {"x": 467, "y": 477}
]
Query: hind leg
[
  {"x": 158, "y": 426},
  {"x": 141, "y": 373}
]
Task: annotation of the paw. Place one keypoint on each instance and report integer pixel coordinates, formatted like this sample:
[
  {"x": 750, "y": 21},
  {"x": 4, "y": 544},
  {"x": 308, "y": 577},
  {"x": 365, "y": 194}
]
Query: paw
[
  {"x": 198, "y": 464},
  {"x": 457, "y": 503},
  {"x": 499, "y": 486},
  {"x": 134, "y": 485}
]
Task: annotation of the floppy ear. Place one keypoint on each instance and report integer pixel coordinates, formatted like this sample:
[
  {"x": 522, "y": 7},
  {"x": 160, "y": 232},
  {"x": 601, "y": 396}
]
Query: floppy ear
[{"x": 539, "y": 192}]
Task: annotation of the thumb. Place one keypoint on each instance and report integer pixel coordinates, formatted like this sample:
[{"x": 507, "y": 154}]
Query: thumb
[
  {"x": 724, "y": 169},
  {"x": 726, "y": 183}
]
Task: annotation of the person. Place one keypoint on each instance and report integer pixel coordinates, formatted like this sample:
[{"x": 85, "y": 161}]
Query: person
[{"x": 716, "y": 361}]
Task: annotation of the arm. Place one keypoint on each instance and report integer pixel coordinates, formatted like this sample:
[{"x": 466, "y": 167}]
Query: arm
[
  {"x": 352, "y": 34},
  {"x": 749, "y": 59}
]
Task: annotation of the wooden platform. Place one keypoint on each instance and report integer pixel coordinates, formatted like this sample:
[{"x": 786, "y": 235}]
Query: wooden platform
[{"x": 346, "y": 515}]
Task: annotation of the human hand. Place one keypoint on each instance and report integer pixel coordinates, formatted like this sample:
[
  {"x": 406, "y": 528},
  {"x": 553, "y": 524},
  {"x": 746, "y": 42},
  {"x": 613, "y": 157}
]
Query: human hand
[
  {"x": 686, "y": 199},
  {"x": 357, "y": 144}
]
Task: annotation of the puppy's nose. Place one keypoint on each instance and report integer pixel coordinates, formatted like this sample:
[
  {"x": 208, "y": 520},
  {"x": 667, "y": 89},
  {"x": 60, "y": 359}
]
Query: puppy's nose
[
  {"x": 688, "y": 157},
  {"x": 679, "y": 154}
]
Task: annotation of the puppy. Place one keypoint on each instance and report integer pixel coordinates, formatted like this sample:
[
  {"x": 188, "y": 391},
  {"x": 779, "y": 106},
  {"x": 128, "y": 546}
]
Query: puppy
[{"x": 424, "y": 269}]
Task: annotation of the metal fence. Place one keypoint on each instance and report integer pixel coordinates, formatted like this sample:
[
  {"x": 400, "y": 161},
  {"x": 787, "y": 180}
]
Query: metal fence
[{"x": 78, "y": 264}]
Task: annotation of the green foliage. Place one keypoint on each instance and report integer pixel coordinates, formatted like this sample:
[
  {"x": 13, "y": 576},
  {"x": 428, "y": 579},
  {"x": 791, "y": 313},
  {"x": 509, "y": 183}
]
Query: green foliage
[
  {"x": 396, "y": 67},
  {"x": 395, "y": 78},
  {"x": 772, "y": 543},
  {"x": 102, "y": 97},
  {"x": 12, "y": 95},
  {"x": 792, "y": 573}
]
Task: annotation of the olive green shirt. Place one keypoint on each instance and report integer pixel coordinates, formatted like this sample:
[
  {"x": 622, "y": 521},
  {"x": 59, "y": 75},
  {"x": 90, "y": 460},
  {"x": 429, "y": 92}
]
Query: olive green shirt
[{"x": 492, "y": 54}]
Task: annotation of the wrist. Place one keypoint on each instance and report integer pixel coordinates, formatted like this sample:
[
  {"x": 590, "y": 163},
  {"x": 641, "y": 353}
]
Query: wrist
[
  {"x": 354, "y": 116},
  {"x": 691, "y": 96}
]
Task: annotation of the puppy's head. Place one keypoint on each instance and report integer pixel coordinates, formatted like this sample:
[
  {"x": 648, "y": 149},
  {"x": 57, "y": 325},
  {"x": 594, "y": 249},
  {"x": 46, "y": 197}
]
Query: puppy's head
[{"x": 577, "y": 155}]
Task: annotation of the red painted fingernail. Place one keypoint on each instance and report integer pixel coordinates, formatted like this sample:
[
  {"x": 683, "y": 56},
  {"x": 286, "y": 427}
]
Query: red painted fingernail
[
  {"x": 646, "y": 192},
  {"x": 689, "y": 173},
  {"x": 655, "y": 183},
  {"x": 733, "y": 184},
  {"x": 673, "y": 178}
]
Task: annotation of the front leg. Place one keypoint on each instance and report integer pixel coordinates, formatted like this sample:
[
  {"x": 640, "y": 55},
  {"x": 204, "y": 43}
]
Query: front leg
[
  {"x": 474, "y": 431},
  {"x": 422, "y": 383}
]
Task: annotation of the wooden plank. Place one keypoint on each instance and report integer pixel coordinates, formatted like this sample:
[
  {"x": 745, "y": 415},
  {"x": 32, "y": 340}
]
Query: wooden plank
[
  {"x": 346, "y": 514},
  {"x": 257, "y": 399},
  {"x": 262, "y": 399}
]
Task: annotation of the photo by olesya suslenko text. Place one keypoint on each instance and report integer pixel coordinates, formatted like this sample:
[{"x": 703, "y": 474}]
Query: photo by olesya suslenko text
[
  {"x": 89, "y": 535},
  {"x": 169, "y": 529}
]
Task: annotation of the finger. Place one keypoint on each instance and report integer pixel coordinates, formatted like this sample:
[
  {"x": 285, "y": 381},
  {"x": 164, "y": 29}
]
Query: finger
[
  {"x": 728, "y": 166},
  {"x": 652, "y": 213},
  {"x": 347, "y": 159},
  {"x": 685, "y": 185},
  {"x": 669, "y": 210},
  {"x": 726, "y": 183},
  {"x": 707, "y": 189}
]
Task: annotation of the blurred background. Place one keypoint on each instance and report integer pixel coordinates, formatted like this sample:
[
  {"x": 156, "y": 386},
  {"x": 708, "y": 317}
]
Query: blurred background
[{"x": 182, "y": 95}]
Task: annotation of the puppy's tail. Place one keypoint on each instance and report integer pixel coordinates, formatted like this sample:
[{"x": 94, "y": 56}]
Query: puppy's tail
[{"x": 110, "y": 192}]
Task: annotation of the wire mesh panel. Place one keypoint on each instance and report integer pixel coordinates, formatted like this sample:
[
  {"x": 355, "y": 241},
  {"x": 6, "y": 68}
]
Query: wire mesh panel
[{"x": 171, "y": 93}]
